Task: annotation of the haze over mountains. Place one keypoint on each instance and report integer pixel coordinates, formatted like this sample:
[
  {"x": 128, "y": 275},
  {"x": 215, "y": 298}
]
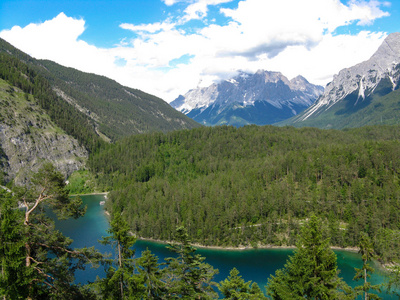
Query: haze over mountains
[{"x": 261, "y": 98}]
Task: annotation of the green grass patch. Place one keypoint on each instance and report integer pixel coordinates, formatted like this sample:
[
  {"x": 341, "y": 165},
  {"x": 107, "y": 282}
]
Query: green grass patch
[{"x": 81, "y": 182}]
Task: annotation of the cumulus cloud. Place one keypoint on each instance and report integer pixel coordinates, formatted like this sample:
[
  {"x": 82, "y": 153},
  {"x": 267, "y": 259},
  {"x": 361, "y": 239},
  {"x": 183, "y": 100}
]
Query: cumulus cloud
[{"x": 290, "y": 36}]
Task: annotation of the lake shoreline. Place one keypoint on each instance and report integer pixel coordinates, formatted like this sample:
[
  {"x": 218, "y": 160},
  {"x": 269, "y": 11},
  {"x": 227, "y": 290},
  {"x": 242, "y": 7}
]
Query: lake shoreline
[
  {"x": 212, "y": 247},
  {"x": 91, "y": 194},
  {"x": 241, "y": 248}
]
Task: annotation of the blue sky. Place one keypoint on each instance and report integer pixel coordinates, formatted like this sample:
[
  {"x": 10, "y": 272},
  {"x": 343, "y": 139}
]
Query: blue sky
[{"x": 166, "y": 47}]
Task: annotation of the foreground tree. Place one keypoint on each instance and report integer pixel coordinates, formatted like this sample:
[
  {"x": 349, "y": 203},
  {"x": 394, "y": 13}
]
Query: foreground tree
[
  {"x": 150, "y": 277},
  {"x": 235, "y": 288},
  {"x": 367, "y": 253},
  {"x": 311, "y": 272},
  {"x": 119, "y": 282},
  {"x": 48, "y": 264},
  {"x": 187, "y": 276},
  {"x": 393, "y": 285},
  {"x": 12, "y": 248}
]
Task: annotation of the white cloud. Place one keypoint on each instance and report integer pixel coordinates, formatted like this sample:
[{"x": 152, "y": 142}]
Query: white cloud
[
  {"x": 199, "y": 9},
  {"x": 291, "y": 36},
  {"x": 149, "y": 28},
  {"x": 171, "y": 2}
]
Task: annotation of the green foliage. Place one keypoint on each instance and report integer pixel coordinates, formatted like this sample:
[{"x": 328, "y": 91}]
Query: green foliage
[
  {"x": 235, "y": 288},
  {"x": 393, "y": 284},
  {"x": 150, "y": 277},
  {"x": 312, "y": 270},
  {"x": 367, "y": 253},
  {"x": 37, "y": 259},
  {"x": 118, "y": 282},
  {"x": 81, "y": 182},
  {"x": 188, "y": 277},
  {"x": 26, "y": 78},
  {"x": 256, "y": 185},
  {"x": 12, "y": 249}
]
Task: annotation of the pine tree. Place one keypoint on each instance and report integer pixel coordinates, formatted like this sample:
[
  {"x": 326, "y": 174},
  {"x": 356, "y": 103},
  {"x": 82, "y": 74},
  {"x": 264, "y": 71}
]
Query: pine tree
[
  {"x": 367, "y": 253},
  {"x": 119, "y": 282},
  {"x": 312, "y": 270},
  {"x": 235, "y": 288},
  {"x": 12, "y": 249},
  {"x": 150, "y": 276},
  {"x": 187, "y": 276}
]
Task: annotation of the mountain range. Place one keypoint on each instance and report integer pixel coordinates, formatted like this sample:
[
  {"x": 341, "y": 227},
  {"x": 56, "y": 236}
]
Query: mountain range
[
  {"x": 261, "y": 98},
  {"x": 51, "y": 112},
  {"x": 365, "y": 94}
]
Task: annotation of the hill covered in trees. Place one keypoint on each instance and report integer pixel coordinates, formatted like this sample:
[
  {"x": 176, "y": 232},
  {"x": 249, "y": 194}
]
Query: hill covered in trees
[
  {"x": 112, "y": 109},
  {"x": 257, "y": 185}
]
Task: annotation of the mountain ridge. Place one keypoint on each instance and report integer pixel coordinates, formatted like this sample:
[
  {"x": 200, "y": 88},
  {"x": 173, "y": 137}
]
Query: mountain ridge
[
  {"x": 115, "y": 110},
  {"x": 260, "y": 98},
  {"x": 357, "y": 87}
]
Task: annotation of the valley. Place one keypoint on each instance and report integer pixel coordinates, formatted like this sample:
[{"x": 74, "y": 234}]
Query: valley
[{"x": 170, "y": 178}]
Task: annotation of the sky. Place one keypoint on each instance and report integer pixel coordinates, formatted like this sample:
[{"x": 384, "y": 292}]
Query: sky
[{"x": 167, "y": 47}]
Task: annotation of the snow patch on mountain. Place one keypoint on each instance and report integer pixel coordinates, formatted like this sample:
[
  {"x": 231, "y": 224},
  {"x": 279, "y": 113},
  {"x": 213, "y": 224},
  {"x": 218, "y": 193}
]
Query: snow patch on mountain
[{"x": 246, "y": 89}]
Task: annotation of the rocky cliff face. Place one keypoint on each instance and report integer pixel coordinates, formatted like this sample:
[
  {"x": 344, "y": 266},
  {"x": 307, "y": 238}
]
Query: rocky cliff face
[
  {"x": 361, "y": 81},
  {"x": 260, "y": 98},
  {"x": 28, "y": 138}
]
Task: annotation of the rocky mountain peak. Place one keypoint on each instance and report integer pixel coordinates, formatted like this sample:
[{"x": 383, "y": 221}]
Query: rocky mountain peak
[
  {"x": 389, "y": 52},
  {"x": 362, "y": 78},
  {"x": 244, "y": 92}
]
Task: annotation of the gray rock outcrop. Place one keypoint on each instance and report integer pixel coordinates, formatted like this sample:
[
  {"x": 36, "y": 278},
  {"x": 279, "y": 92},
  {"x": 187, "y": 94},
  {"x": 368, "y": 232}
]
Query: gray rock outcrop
[{"x": 28, "y": 138}]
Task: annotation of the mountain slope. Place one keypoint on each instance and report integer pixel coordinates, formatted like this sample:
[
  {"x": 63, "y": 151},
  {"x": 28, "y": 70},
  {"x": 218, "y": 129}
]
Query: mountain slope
[
  {"x": 28, "y": 137},
  {"x": 365, "y": 94},
  {"x": 260, "y": 98},
  {"x": 115, "y": 110}
]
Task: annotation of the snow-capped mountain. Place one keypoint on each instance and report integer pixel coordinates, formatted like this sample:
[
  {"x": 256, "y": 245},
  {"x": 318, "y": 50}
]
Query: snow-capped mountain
[
  {"x": 354, "y": 88},
  {"x": 260, "y": 98}
]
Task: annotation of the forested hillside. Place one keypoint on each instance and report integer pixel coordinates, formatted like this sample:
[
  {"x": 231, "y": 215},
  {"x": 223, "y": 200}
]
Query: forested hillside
[
  {"x": 114, "y": 110},
  {"x": 21, "y": 75},
  {"x": 257, "y": 185},
  {"x": 28, "y": 137}
]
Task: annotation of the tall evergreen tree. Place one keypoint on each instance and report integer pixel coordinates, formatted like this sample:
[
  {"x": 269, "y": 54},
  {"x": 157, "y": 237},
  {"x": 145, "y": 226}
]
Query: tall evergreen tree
[
  {"x": 150, "y": 276},
  {"x": 311, "y": 272},
  {"x": 367, "y": 253},
  {"x": 12, "y": 249},
  {"x": 119, "y": 282},
  {"x": 235, "y": 288},
  {"x": 188, "y": 277}
]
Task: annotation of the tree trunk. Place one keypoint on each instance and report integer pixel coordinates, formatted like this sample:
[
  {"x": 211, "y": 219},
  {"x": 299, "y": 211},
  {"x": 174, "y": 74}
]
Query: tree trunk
[{"x": 120, "y": 266}]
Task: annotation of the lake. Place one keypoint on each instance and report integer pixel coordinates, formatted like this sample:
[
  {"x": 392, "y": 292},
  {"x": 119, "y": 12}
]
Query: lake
[{"x": 254, "y": 264}]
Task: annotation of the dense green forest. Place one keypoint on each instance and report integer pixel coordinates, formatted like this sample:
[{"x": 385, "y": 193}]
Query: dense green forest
[
  {"x": 258, "y": 185},
  {"x": 37, "y": 261}
]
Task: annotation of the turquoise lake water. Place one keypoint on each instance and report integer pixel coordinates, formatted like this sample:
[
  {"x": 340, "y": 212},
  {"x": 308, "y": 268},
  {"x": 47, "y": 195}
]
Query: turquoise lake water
[{"x": 254, "y": 264}]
